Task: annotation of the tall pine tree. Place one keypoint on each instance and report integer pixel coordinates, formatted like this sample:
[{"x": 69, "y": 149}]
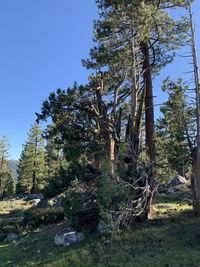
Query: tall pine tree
[{"x": 32, "y": 166}]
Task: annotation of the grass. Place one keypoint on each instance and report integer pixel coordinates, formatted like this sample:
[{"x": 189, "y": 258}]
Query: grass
[
  {"x": 13, "y": 205},
  {"x": 11, "y": 215},
  {"x": 12, "y": 209},
  {"x": 171, "y": 240}
]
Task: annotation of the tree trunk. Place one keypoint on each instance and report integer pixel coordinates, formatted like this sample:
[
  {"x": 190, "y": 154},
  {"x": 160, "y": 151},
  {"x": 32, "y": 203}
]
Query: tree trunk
[
  {"x": 196, "y": 153},
  {"x": 136, "y": 131},
  {"x": 107, "y": 124},
  {"x": 195, "y": 184},
  {"x": 103, "y": 119},
  {"x": 3, "y": 195},
  {"x": 149, "y": 122},
  {"x": 117, "y": 143},
  {"x": 149, "y": 105}
]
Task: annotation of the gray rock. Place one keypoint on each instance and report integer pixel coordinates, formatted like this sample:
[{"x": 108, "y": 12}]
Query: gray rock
[
  {"x": 187, "y": 194},
  {"x": 178, "y": 180},
  {"x": 33, "y": 197},
  {"x": 171, "y": 191},
  {"x": 11, "y": 237},
  {"x": 43, "y": 203},
  {"x": 13, "y": 220},
  {"x": 188, "y": 200},
  {"x": 6, "y": 198},
  {"x": 68, "y": 237},
  {"x": 187, "y": 197},
  {"x": 58, "y": 202},
  {"x": 35, "y": 201}
]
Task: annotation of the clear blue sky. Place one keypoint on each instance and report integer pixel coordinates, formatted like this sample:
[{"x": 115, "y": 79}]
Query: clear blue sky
[{"x": 42, "y": 43}]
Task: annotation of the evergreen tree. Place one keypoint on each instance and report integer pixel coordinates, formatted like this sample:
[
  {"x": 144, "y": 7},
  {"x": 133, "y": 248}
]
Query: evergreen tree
[
  {"x": 173, "y": 129},
  {"x": 135, "y": 39},
  {"x": 32, "y": 168},
  {"x": 54, "y": 157},
  {"x": 74, "y": 127},
  {"x": 6, "y": 182}
]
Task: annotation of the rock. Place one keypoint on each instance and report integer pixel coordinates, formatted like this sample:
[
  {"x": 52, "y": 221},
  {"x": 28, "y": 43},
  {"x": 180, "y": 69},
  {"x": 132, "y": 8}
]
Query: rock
[
  {"x": 13, "y": 220},
  {"x": 43, "y": 203},
  {"x": 6, "y": 198},
  {"x": 58, "y": 202},
  {"x": 171, "y": 191},
  {"x": 35, "y": 201},
  {"x": 36, "y": 230},
  {"x": 11, "y": 237},
  {"x": 188, "y": 200},
  {"x": 177, "y": 180},
  {"x": 68, "y": 237},
  {"x": 33, "y": 197},
  {"x": 187, "y": 196}
]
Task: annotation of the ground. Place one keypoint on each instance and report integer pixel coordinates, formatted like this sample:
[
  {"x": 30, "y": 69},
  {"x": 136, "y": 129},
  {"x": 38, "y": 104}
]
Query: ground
[{"x": 171, "y": 239}]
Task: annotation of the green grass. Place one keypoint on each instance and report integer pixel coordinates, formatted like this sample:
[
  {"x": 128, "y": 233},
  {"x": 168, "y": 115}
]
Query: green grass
[
  {"x": 13, "y": 209},
  {"x": 9, "y": 206},
  {"x": 171, "y": 240}
]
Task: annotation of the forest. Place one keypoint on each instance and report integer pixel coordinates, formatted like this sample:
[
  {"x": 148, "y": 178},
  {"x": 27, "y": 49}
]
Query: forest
[{"x": 102, "y": 178}]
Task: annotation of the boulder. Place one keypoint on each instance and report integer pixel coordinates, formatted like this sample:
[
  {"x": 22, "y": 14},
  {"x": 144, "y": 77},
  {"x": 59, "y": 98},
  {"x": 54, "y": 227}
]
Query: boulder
[
  {"x": 6, "y": 198},
  {"x": 33, "y": 197},
  {"x": 35, "y": 201},
  {"x": 177, "y": 180},
  {"x": 58, "y": 202},
  {"x": 13, "y": 220},
  {"x": 68, "y": 237},
  {"x": 43, "y": 203},
  {"x": 11, "y": 237},
  {"x": 171, "y": 191}
]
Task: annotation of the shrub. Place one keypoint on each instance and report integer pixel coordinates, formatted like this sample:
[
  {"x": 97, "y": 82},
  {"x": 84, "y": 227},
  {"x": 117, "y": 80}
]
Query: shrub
[
  {"x": 10, "y": 228},
  {"x": 81, "y": 207},
  {"x": 112, "y": 196},
  {"x": 36, "y": 217}
]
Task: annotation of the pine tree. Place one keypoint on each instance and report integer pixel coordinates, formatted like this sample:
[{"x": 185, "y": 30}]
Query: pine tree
[
  {"x": 53, "y": 157},
  {"x": 174, "y": 128},
  {"x": 135, "y": 40},
  {"x": 6, "y": 182},
  {"x": 32, "y": 166}
]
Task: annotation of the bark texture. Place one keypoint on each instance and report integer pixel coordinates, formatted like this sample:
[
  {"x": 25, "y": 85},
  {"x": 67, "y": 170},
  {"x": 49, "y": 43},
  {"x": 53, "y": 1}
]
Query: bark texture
[{"x": 149, "y": 122}]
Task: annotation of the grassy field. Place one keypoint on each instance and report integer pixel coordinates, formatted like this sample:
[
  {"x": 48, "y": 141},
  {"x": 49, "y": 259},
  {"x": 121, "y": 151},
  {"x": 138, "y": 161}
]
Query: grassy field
[{"x": 170, "y": 240}]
